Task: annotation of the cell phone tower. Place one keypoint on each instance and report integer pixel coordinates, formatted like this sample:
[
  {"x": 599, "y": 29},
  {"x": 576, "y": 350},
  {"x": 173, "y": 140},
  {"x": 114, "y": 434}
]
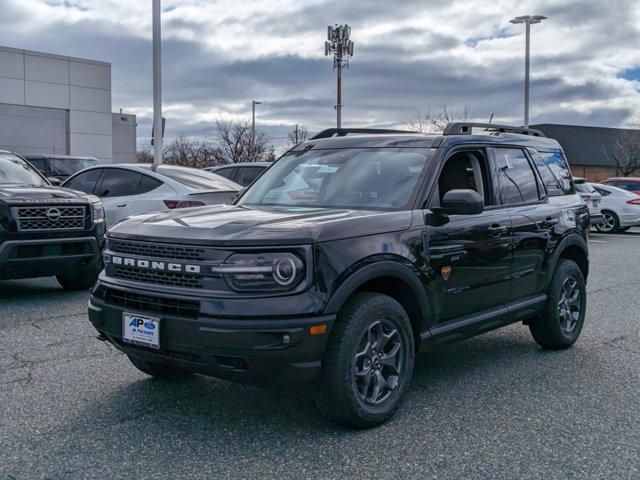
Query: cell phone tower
[{"x": 340, "y": 45}]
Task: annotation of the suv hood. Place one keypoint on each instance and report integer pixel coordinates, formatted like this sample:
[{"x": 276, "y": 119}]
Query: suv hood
[
  {"x": 227, "y": 225},
  {"x": 15, "y": 195}
]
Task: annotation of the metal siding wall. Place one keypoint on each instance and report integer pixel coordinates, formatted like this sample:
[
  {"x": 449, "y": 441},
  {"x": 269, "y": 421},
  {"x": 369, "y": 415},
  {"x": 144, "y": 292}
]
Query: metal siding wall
[{"x": 80, "y": 89}]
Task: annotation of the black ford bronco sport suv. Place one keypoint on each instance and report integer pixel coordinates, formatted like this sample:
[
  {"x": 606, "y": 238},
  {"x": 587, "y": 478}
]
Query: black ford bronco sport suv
[
  {"x": 352, "y": 252},
  {"x": 47, "y": 230}
]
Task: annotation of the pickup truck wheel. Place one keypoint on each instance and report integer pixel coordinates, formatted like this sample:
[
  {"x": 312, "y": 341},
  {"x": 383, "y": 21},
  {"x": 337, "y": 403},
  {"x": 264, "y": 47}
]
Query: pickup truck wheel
[
  {"x": 562, "y": 321},
  {"x": 157, "y": 370},
  {"x": 368, "y": 363},
  {"x": 609, "y": 224},
  {"x": 82, "y": 279}
]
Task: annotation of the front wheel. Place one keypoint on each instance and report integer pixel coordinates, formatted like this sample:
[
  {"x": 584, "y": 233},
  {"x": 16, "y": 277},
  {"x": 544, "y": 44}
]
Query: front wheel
[
  {"x": 561, "y": 324},
  {"x": 368, "y": 363},
  {"x": 609, "y": 224},
  {"x": 82, "y": 279}
]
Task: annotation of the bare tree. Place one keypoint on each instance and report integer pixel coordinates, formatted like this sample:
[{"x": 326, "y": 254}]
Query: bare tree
[
  {"x": 436, "y": 119},
  {"x": 144, "y": 154},
  {"x": 298, "y": 135},
  {"x": 187, "y": 152},
  {"x": 233, "y": 142},
  {"x": 625, "y": 152}
]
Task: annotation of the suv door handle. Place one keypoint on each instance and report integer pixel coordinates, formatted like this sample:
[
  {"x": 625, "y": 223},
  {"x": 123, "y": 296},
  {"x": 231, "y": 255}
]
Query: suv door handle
[
  {"x": 121, "y": 205},
  {"x": 549, "y": 222},
  {"x": 496, "y": 230}
]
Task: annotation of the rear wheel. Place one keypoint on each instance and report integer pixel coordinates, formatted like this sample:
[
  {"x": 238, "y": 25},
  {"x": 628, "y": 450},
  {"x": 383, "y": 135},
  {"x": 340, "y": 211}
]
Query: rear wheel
[
  {"x": 368, "y": 363},
  {"x": 562, "y": 321},
  {"x": 158, "y": 370},
  {"x": 609, "y": 224}
]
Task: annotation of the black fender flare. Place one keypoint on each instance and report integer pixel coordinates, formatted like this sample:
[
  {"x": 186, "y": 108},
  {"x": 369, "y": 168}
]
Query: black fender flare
[
  {"x": 383, "y": 268},
  {"x": 571, "y": 240}
]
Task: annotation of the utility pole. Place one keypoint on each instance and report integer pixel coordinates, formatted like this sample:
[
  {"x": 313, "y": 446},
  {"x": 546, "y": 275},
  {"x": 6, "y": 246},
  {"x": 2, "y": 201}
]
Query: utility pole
[
  {"x": 339, "y": 44},
  {"x": 528, "y": 20},
  {"x": 253, "y": 118},
  {"x": 157, "y": 86}
]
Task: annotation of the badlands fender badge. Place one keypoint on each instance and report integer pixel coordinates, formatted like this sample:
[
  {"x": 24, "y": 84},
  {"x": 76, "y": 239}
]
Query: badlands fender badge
[{"x": 445, "y": 271}]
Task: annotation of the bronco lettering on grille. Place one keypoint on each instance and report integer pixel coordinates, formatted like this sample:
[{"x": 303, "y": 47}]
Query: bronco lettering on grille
[{"x": 153, "y": 265}]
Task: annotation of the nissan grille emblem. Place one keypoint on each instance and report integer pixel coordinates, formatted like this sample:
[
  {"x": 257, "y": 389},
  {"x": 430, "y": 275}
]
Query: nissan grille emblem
[{"x": 53, "y": 214}]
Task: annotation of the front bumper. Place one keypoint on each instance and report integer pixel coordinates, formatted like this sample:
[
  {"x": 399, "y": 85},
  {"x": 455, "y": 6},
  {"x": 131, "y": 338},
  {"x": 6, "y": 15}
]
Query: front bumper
[
  {"x": 30, "y": 258},
  {"x": 595, "y": 218},
  {"x": 253, "y": 351}
]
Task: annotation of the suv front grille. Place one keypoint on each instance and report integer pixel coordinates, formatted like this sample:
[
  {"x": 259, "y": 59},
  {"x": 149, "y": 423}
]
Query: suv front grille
[
  {"x": 156, "y": 250},
  {"x": 150, "y": 303},
  {"x": 51, "y": 217},
  {"x": 173, "y": 279}
]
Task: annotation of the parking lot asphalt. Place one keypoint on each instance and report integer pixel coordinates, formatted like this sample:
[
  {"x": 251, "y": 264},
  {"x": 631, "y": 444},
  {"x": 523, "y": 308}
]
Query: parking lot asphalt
[{"x": 496, "y": 406}]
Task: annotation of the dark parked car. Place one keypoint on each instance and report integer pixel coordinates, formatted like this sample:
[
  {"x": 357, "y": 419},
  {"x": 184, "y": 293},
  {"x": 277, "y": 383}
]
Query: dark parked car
[
  {"x": 60, "y": 167},
  {"x": 46, "y": 230},
  {"x": 355, "y": 250},
  {"x": 241, "y": 173}
]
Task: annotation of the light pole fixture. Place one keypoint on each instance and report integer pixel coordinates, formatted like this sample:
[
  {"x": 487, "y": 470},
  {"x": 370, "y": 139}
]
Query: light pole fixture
[
  {"x": 157, "y": 85},
  {"x": 528, "y": 20},
  {"x": 253, "y": 117},
  {"x": 339, "y": 44}
]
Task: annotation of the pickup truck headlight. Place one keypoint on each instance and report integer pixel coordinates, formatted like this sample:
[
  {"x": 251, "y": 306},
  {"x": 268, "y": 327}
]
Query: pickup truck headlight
[
  {"x": 262, "y": 272},
  {"x": 97, "y": 212}
]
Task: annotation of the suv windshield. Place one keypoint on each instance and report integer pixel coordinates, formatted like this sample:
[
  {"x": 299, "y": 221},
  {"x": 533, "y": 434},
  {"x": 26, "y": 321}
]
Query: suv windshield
[
  {"x": 15, "y": 171},
  {"x": 69, "y": 166},
  {"x": 583, "y": 186},
  {"x": 360, "y": 178}
]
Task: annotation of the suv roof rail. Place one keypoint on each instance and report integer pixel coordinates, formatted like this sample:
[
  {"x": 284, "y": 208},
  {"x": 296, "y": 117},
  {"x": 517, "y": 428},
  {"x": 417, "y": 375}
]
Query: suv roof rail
[
  {"x": 342, "y": 132},
  {"x": 465, "y": 128}
]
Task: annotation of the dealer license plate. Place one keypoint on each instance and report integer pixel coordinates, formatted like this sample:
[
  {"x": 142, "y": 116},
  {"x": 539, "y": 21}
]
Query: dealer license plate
[{"x": 141, "y": 330}]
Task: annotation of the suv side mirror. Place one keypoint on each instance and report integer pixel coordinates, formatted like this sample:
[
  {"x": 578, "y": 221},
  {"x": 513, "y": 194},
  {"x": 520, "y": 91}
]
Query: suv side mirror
[
  {"x": 461, "y": 202},
  {"x": 54, "y": 181}
]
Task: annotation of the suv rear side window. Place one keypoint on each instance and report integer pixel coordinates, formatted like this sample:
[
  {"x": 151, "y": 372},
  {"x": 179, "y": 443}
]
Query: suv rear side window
[
  {"x": 560, "y": 169},
  {"x": 554, "y": 188},
  {"x": 516, "y": 179}
]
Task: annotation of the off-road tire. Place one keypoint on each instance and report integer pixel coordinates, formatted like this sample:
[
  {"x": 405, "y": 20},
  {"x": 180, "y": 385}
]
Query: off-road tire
[
  {"x": 338, "y": 395},
  {"x": 548, "y": 330},
  {"x": 82, "y": 279}
]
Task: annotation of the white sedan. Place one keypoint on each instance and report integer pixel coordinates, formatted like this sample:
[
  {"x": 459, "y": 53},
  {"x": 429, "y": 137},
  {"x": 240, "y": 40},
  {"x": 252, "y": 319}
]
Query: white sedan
[
  {"x": 620, "y": 209},
  {"x": 131, "y": 189}
]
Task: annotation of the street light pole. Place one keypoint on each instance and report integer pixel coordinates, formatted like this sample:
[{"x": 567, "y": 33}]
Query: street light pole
[
  {"x": 157, "y": 86},
  {"x": 527, "y": 20},
  {"x": 253, "y": 117}
]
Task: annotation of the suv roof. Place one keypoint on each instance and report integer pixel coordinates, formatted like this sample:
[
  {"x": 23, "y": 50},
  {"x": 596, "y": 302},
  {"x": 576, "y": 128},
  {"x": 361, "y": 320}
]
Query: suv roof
[{"x": 454, "y": 132}]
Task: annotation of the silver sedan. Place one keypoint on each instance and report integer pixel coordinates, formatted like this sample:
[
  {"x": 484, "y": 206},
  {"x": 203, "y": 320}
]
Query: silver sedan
[{"x": 620, "y": 209}]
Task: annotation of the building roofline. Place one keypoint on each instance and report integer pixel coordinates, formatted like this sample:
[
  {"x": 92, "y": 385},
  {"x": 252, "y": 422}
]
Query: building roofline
[{"x": 54, "y": 56}]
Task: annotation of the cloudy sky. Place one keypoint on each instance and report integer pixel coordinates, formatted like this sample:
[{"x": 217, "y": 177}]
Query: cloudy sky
[{"x": 409, "y": 56}]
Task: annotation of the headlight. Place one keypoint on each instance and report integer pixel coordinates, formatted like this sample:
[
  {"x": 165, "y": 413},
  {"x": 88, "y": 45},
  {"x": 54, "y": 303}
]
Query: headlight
[
  {"x": 97, "y": 210},
  {"x": 261, "y": 272}
]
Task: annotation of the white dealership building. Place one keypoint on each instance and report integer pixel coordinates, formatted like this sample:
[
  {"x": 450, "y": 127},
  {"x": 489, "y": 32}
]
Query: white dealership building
[{"x": 54, "y": 104}]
